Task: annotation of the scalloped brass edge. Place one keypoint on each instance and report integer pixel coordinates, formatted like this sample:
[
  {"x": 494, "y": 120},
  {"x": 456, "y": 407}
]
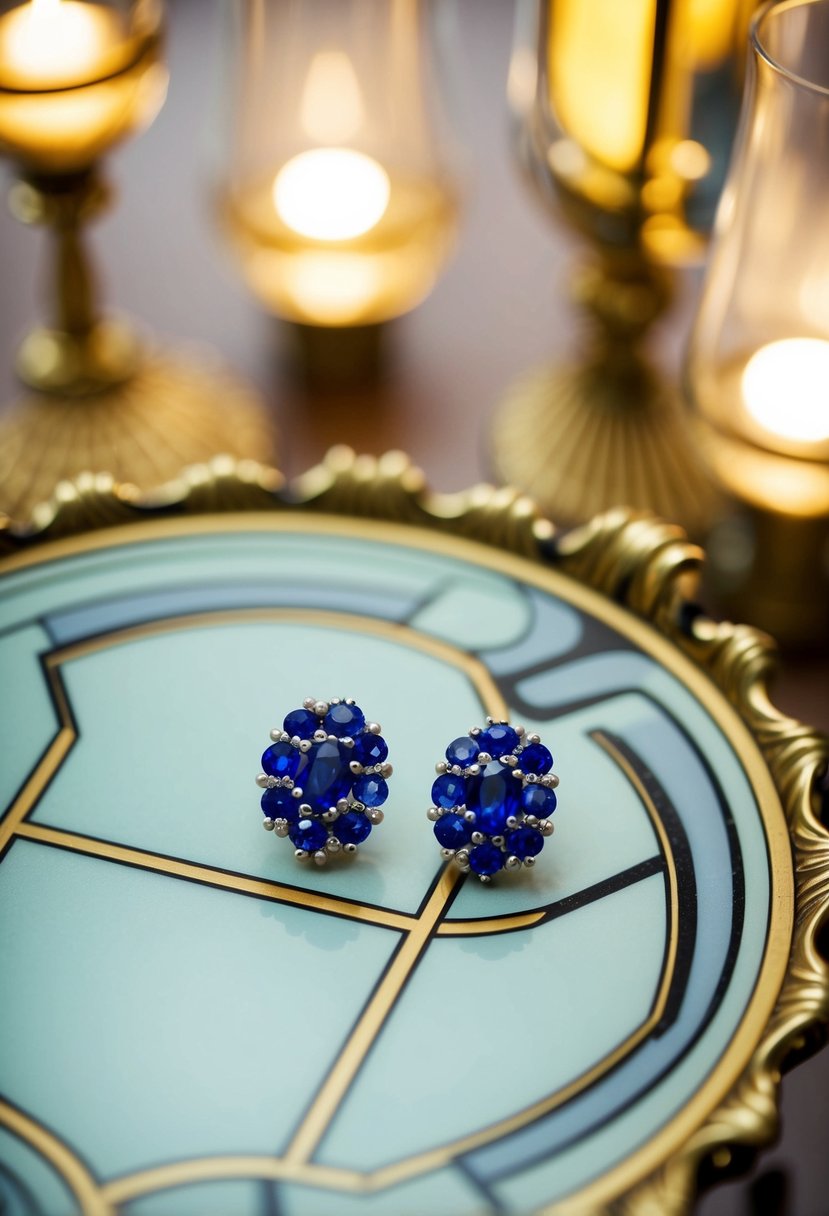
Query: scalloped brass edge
[{"x": 643, "y": 564}]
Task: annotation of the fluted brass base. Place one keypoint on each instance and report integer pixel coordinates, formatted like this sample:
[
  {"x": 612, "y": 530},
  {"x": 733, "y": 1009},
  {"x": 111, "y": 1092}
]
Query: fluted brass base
[
  {"x": 169, "y": 414},
  {"x": 585, "y": 438}
]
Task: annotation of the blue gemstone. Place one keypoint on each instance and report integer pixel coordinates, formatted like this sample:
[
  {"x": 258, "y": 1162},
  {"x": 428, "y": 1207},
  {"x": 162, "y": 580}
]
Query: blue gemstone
[
  {"x": 371, "y": 791},
  {"x": 452, "y": 831},
  {"x": 449, "y": 791},
  {"x": 538, "y": 800},
  {"x": 370, "y": 749},
  {"x": 463, "y": 751},
  {"x": 327, "y": 778},
  {"x": 342, "y": 720},
  {"x": 524, "y": 842},
  {"x": 486, "y": 859},
  {"x": 279, "y": 803},
  {"x": 535, "y": 758},
  {"x": 498, "y": 740},
  {"x": 494, "y": 797},
  {"x": 281, "y": 760},
  {"x": 301, "y": 722},
  {"x": 352, "y": 828},
  {"x": 308, "y": 834}
]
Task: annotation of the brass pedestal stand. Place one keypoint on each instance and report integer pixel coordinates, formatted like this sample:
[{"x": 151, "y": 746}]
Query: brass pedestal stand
[{"x": 606, "y": 429}]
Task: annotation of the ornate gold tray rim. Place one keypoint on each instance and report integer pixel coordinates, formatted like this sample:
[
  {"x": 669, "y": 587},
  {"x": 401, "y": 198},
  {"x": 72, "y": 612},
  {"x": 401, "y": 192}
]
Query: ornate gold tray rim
[{"x": 646, "y": 567}]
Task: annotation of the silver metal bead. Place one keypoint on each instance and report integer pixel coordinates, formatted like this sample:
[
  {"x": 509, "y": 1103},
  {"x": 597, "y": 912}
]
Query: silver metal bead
[
  {"x": 305, "y": 810},
  {"x": 349, "y": 848},
  {"x": 296, "y": 792},
  {"x": 334, "y": 701},
  {"x": 457, "y": 770},
  {"x": 350, "y": 701},
  {"x": 529, "y": 862},
  {"x": 550, "y": 780},
  {"x": 385, "y": 770},
  {"x": 308, "y": 703},
  {"x": 374, "y": 815},
  {"x": 441, "y": 767},
  {"x": 331, "y": 739},
  {"x": 512, "y": 822},
  {"x": 510, "y": 760},
  {"x": 276, "y": 734},
  {"x": 490, "y": 721},
  {"x": 329, "y": 816},
  {"x": 262, "y": 781},
  {"x": 343, "y": 805},
  {"x": 512, "y": 863},
  {"x": 347, "y": 741},
  {"x": 280, "y": 827},
  {"x": 531, "y": 821},
  {"x": 546, "y": 827},
  {"x": 469, "y": 816},
  {"x": 433, "y": 813},
  {"x": 373, "y": 728},
  {"x": 305, "y": 745},
  {"x": 332, "y": 844},
  {"x": 474, "y": 731},
  {"x": 533, "y": 738},
  {"x": 520, "y": 730},
  {"x": 484, "y": 758},
  {"x": 267, "y": 824},
  {"x": 447, "y": 854},
  {"x": 320, "y": 736},
  {"x": 473, "y": 770},
  {"x": 498, "y": 841},
  {"x": 478, "y": 838},
  {"x": 320, "y": 857},
  {"x": 516, "y": 772},
  {"x": 300, "y": 854},
  {"x": 320, "y": 708},
  {"x": 532, "y": 778},
  {"x": 356, "y": 767},
  {"x": 484, "y": 878}
]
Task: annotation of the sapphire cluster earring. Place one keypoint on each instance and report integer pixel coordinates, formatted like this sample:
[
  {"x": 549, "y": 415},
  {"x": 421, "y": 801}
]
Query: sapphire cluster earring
[
  {"x": 324, "y": 778},
  {"x": 493, "y": 798}
]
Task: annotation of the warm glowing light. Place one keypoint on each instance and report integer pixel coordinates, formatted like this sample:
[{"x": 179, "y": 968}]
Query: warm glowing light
[
  {"x": 600, "y": 55},
  {"x": 331, "y": 111},
  {"x": 47, "y": 44},
  {"x": 331, "y": 194},
  {"x": 786, "y": 389}
]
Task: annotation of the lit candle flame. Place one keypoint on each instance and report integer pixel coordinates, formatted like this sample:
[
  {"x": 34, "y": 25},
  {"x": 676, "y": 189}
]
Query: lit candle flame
[
  {"x": 786, "y": 389},
  {"x": 331, "y": 194},
  {"x": 50, "y": 43}
]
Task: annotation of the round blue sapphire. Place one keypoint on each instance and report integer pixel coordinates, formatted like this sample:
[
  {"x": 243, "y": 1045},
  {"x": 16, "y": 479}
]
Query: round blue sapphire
[
  {"x": 343, "y": 719},
  {"x": 308, "y": 834},
  {"x": 535, "y": 758},
  {"x": 327, "y": 778},
  {"x": 449, "y": 791},
  {"x": 463, "y": 751},
  {"x": 279, "y": 803},
  {"x": 452, "y": 831},
  {"x": 538, "y": 800},
  {"x": 524, "y": 842},
  {"x": 371, "y": 791},
  {"x": 498, "y": 740},
  {"x": 301, "y": 722},
  {"x": 370, "y": 749},
  {"x": 486, "y": 859},
  {"x": 494, "y": 797},
  {"x": 281, "y": 760},
  {"x": 352, "y": 828}
]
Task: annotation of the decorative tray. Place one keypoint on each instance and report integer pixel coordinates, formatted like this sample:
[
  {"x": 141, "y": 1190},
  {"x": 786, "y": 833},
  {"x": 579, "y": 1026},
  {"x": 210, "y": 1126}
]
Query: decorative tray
[{"x": 192, "y": 1022}]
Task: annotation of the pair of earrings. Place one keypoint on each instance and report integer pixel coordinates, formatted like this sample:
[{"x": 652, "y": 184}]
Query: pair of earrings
[{"x": 325, "y": 779}]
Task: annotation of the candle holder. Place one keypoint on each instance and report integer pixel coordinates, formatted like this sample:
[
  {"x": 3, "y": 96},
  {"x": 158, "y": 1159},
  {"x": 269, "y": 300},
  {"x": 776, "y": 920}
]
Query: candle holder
[
  {"x": 336, "y": 197},
  {"x": 612, "y": 111},
  {"x": 76, "y": 79},
  {"x": 757, "y": 371}
]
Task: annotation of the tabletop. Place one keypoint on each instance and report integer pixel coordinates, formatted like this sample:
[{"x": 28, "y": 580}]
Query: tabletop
[{"x": 500, "y": 308}]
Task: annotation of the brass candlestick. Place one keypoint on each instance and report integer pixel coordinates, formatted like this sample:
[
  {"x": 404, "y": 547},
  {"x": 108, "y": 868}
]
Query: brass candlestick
[
  {"x": 76, "y": 79},
  {"x": 610, "y": 105}
]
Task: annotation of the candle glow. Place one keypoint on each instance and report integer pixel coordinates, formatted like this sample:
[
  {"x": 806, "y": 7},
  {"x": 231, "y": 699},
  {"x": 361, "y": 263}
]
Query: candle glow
[
  {"x": 50, "y": 44},
  {"x": 331, "y": 194},
  {"x": 785, "y": 387}
]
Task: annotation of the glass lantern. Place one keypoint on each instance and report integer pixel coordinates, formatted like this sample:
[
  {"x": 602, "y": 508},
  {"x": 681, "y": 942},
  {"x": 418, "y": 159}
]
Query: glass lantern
[{"x": 336, "y": 195}]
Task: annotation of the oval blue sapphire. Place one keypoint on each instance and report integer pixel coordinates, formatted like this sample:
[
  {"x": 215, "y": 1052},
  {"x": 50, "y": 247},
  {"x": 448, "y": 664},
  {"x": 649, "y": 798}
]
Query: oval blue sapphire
[
  {"x": 449, "y": 791},
  {"x": 326, "y": 779},
  {"x": 343, "y": 719},
  {"x": 352, "y": 828},
  {"x": 370, "y": 749},
  {"x": 281, "y": 760},
  {"x": 486, "y": 859},
  {"x": 524, "y": 842},
  {"x": 452, "y": 831},
  {"x": 498, "y": 740},
  {"x": 538, "y": 800},
  {"x": 535, "y": 758},
  {"x": 308, "y": 834},
  {"x": 279, "y": 803},
  {"x": 494, "y": 796},
  {"x": 301, "y": 722},
  {"x": 371, "y": 791},
  {"x": 463, "y": 751}
]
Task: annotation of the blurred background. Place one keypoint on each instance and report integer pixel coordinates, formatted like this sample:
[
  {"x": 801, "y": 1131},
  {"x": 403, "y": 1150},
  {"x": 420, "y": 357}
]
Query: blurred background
[{"x": 501, "y": 305}]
